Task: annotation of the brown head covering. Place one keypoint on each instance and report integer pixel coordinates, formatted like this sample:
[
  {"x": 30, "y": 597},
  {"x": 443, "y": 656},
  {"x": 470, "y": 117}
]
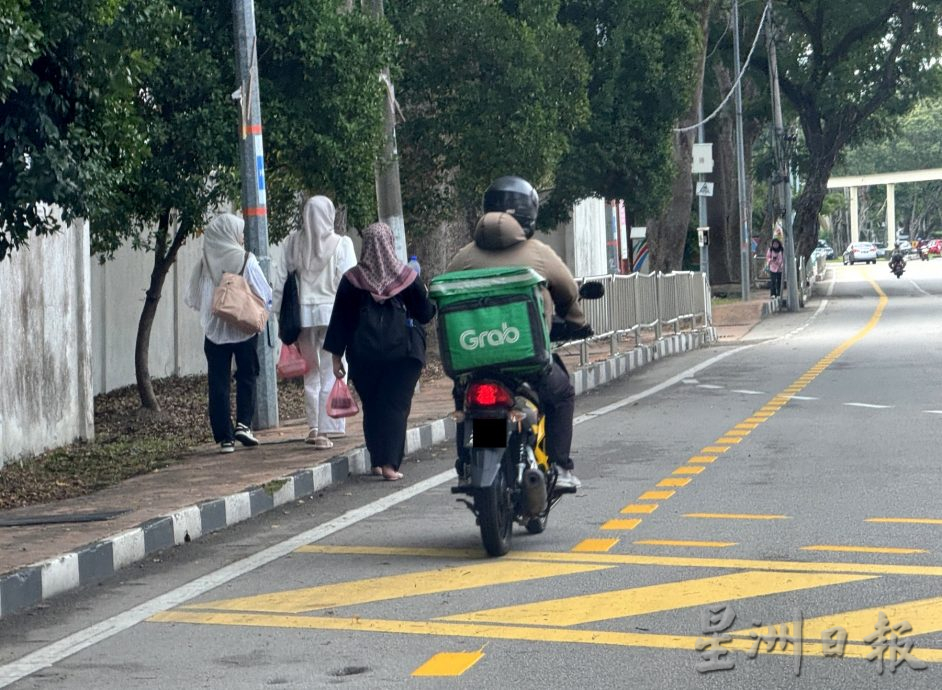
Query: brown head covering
[{"x": 380, "y": 272}]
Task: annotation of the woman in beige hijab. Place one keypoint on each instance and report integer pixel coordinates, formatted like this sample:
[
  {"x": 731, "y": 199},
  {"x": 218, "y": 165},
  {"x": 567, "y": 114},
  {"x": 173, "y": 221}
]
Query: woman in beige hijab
[{"x": 320, "y": 257}]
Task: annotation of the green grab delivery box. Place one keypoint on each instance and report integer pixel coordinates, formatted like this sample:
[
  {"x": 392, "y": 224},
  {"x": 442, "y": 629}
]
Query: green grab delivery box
[{"x": 491, "y": 318}]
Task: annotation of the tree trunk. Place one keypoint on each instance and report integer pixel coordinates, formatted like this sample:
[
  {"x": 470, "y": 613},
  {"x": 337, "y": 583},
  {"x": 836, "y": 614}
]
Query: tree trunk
[
  {"x": 722, "y": 207},
  {"x": 809, "y": 203},
  {"x": 667, "y": 234},
  {"x": 163, "y": 260}
]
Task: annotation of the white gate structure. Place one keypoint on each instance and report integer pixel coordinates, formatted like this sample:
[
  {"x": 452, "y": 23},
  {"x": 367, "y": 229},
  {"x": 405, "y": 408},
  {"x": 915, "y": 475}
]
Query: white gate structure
[{"x": 854, "y": 182}]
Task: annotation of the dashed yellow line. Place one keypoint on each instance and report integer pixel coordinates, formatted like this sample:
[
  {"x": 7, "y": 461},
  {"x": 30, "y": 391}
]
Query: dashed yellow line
[
  {"x": 714, "y": 449},
  {"x": 686, "y": 542},
  {"x": 729, "y": 440},
  {"x": 862, "y": 549},
  {"x": 621, "y": 524},
  {"x": 639, "y": 508},
  {"x": 595, "y": 545},
  {"x": 907, "y": 521},
  {"x": 673, "y": 481},
  {"x": 686, "y": 469},
  {"x": 448, "y": 664},
  {"x": 702, "y": 458}
]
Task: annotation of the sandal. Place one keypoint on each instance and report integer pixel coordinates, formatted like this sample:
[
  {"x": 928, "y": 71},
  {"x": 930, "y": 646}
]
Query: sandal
[
  {"x": 392, "y": 475},
  {"x": 323, "y": 443},
  {"x": 377, "y": 471}
]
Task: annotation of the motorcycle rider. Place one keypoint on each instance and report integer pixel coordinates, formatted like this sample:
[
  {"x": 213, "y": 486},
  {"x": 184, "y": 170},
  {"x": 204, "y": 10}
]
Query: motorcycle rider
[
  {"x": 897, "y": 258},
  {"x": 504, "y": 237}
]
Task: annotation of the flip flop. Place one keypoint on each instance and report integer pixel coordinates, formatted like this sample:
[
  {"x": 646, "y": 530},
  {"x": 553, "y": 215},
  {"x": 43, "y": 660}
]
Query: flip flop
[
  {"x": 394, "y": 477},
  {"x": 323, "y": 443},
  {"x": 377, "y": 471}
]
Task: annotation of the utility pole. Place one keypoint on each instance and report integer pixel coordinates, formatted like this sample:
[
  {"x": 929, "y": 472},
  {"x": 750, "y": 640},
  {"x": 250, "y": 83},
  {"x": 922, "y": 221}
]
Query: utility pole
[
  {"x": 782, "y": 169},
  {"x": 388, "y": 190},
  {"x": 702, "y": 202},
  {"x": 253, "y": 195},
  {"x": 745, "y": 240}
]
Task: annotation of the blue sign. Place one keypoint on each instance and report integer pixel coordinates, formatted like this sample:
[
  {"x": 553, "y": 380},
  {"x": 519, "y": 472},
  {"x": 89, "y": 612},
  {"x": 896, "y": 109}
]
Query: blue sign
[{"x": 260, "y": 172}]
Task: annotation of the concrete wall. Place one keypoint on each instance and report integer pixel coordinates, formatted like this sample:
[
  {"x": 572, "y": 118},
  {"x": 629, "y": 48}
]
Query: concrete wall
[{"x": 45, "y": 344}]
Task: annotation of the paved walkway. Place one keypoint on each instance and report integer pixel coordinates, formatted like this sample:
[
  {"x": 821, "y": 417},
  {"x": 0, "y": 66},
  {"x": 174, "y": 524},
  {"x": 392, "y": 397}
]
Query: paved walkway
[{"x": 206, "y": 490}]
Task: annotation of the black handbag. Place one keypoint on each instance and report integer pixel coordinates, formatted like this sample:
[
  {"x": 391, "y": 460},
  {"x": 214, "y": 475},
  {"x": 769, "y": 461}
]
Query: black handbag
[{"x": 289, "y": 316}]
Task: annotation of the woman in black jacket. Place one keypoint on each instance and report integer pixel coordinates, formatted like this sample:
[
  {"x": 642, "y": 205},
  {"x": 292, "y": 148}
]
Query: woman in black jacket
[{"x": 376, "y": 322}]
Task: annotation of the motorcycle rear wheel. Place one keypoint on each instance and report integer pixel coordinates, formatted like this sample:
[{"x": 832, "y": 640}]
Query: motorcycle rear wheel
[{"x": 495, "y": 514}]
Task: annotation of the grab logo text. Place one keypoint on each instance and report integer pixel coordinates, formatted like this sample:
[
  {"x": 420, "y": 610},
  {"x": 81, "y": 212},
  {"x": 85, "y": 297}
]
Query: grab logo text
[{"x": 508, "y": 335}]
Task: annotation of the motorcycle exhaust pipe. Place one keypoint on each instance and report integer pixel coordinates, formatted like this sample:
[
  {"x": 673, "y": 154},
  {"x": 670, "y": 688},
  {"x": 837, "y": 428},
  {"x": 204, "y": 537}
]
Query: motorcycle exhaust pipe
[{"x": 534, "y": 490}]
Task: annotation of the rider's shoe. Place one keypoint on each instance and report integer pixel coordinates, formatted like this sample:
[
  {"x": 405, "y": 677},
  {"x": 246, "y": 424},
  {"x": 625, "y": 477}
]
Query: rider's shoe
[{"x": 565, "y": 479}]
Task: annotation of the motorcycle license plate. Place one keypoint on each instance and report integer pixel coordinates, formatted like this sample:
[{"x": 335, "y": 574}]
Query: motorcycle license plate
[{"x": 489, "y": 433}]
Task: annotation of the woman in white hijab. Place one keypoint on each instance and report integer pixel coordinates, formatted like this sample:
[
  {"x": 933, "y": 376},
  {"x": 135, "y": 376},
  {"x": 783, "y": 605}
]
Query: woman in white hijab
[
  {"x": 223, "y": 252},
  {"x": 320, "y": 257}
]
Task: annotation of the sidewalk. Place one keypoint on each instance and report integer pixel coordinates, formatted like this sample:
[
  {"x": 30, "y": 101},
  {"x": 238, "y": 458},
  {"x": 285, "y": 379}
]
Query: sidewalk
[{"x": 207, "y": 491}]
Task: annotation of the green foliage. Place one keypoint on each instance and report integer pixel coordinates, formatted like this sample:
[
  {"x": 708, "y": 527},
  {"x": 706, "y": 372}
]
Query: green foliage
[
  {"x": 322, "y": 105},
  {"x": 183, "y": 103},
  {"x": 487, "y": 89},
  {"x": 643, "y": 58},
  {"x": 67, "y": 130}
]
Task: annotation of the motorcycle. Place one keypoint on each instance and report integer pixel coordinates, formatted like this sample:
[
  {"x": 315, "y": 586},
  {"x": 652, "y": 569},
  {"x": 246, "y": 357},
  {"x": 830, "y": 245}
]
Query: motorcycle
[
  {"x": 897, "y": 266},
  {"x": 923, "y": 254},
  {"x": 503, "y": 467}
]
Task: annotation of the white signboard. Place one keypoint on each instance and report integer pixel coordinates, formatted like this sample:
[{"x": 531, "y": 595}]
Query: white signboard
[
  {"x": 702, "y": 158},
  {"x": 704, "y": 189},
  {"x": 639, "y": 233}
]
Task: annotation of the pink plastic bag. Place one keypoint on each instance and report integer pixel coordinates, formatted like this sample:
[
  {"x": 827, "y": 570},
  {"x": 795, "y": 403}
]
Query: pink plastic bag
[
  {"x": 340, "y": 403},
  {"x": 290, "y": 364}
]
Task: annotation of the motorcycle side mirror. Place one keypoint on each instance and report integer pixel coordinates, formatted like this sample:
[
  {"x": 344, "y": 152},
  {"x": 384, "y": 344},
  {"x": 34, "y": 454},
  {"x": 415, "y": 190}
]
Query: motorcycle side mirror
[{"x": 591, "y": 290}]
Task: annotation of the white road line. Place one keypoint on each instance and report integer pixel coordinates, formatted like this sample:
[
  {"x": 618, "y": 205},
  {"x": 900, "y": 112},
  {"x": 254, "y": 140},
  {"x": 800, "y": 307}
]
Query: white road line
[
  {"x": 82, "y": 639},
  {"x": 747, "y": 392},
  {"x": 868, "y": 405},
  {"x": 927, "y": 294},
  {"x": 690, "y": 381},
  {"x": 933, "y": 411},
  {"x": 803, "y": 397},
  {"x": 709, "y": 386}
]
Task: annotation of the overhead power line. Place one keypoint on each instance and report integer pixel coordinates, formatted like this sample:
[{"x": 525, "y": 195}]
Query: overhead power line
[{"x": 732, "y": 90}]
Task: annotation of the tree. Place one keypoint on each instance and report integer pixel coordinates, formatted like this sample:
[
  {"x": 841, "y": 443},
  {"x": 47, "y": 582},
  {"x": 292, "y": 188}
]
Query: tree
[
  {"x": 913, "y": 144},
  {"x": 67, "y": 129},
  {"x": 848, "y": 70},
  {"x": 487, "y": 89},
  {"x": 636, "y": 48}
]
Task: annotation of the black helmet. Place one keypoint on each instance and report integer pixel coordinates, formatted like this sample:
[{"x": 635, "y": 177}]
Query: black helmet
[{"x": 515, "y": 196}]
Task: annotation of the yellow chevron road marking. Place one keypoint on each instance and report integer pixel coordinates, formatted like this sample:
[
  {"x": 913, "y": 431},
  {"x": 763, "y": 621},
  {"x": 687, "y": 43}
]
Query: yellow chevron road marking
[
  {"x": 398, "y": 586},
  {"x": 603, "y": 606}
]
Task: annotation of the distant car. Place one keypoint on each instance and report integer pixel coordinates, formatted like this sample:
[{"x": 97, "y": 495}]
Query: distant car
[
  {"x": 905, "y": 246},
  {"x": 934, "y": 247},
  {"x": 828, "y": 249},
  {"x": 860, "y": 251},
  {"x": 881, "y": 249}
]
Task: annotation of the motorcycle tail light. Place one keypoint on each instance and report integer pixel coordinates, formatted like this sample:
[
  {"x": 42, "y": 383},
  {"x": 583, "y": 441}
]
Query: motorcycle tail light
[{"x": 489, "y": 394}]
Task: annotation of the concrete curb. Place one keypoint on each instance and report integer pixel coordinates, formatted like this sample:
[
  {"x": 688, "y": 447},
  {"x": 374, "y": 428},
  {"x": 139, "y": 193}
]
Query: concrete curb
[{"x": 26, "y": 587}]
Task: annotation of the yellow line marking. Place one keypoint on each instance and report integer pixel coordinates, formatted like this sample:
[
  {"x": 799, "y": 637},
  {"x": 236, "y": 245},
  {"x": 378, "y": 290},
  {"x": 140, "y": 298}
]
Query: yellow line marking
[
  {"x": 610, "y": 559},
  {"x": 685, "y": 542},
  {"x": 729, "y": 440},
  {"x": 924, "y": 615},
  {"x": 656, "y": 495},
  {"x": 755, "y": 420},
  {"x": 907, "y": 521},
  {"x": 448, "y": 664},
  {"x": 394, "y": 587},
  {"x": 516, "y": 632},
  {"x": 595, "y": 545},
  {"x": 688, "y": 470},
  {"x": 673, "y": 481},
  {"x": 637, "y": 601},
  {"x": 736, "y": 516},
  {"x": 636, "y": 508},
  {"x": 434, "y": 552},
  {"x": 763, "y": 413},
  {"x": 621, "y": 524},
  {"x": 714, "y": 449},
  {"x": 747, "y": 426},
  {"x": 737, "y": 432},
  {"x": 862, "y": 549},
  {"x": 702, "y": 458}
]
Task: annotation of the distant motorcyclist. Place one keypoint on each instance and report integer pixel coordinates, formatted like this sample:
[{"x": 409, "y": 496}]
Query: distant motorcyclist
[
  {"x": 503, "y": 237},
  {"x": 896, "y": 258}
]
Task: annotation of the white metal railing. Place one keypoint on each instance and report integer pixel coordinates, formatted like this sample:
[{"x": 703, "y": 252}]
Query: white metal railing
[{"x": 644, "y": 301}]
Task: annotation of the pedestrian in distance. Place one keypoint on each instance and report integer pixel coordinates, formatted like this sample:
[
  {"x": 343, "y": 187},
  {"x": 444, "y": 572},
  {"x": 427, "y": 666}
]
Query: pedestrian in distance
[
  {"x": 319, "y": 257},
  {"x": 224, "y": 252},
  {"x": 377, "y": 323},
  {"x": 775, "y": 259}
]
